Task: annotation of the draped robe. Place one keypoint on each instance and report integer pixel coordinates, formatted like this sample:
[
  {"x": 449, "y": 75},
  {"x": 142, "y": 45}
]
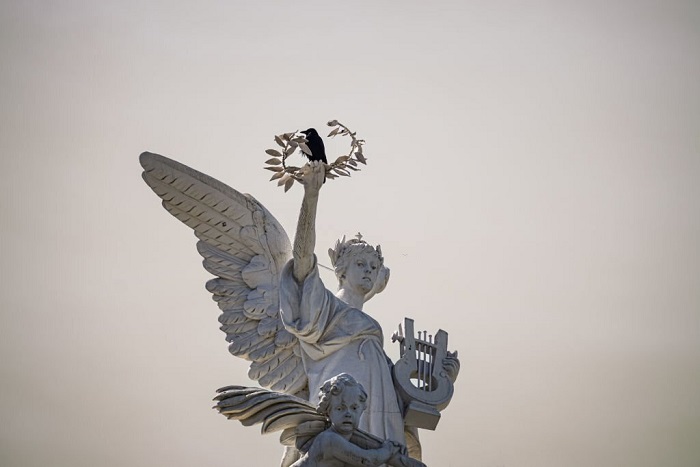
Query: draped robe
[{"x": 337, "y": 338}]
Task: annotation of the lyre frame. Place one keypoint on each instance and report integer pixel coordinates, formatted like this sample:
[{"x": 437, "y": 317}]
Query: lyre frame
[{"x": 421, "y": 361}]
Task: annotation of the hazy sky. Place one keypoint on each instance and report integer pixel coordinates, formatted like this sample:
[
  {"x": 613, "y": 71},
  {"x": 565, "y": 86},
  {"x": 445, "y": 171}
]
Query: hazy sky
[{"x": 533, "y": 178}]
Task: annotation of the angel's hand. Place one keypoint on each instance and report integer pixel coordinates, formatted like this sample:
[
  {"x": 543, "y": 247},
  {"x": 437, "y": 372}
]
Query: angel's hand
[
  {"x": 312, "y": 175},
  {"x": 451, "y": 365}
]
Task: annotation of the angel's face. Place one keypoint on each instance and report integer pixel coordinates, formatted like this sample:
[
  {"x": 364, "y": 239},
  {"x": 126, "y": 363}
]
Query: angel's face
[
  {"x": 361, "y": 273},
  {"x": 345, "y": 410}
]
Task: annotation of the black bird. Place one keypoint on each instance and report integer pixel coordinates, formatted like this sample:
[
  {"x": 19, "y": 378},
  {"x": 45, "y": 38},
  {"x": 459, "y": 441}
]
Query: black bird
[{"x": 315, "y": 144}]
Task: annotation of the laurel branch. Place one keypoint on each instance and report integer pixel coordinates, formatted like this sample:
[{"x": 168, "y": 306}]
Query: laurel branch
[{"x": 291, "y": 142}]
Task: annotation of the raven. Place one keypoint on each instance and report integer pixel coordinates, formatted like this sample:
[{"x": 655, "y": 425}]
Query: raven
[{"x": 315, "y": 144}]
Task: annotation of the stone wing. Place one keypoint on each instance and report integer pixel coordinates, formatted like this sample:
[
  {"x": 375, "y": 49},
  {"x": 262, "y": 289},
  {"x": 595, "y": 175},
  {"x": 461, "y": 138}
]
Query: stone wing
[
  {"x": 245, "y": 247},
  {"x": 296, "y": 418}
]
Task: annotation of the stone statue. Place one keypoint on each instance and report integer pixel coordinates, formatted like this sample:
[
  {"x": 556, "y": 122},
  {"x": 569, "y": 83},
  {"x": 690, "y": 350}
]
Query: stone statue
[
  {"x": 326, "y": 437},
  {"x": 276, "y": 311}
]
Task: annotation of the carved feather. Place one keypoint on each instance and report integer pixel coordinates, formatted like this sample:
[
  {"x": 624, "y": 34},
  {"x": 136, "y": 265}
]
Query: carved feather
[
  {"x": 257, "y": 272},
  {"x": 269, "y": 326},
  {"x": 285, "y": 339},
  {"x": 227, "y": 289},
  {"x": 294, "y": 382},
  {"x": 276, "y": 375},
  {"x": 233, "y": 317},
  {"x": 236, "y": 329},
  {"x": 243, "y": 344},
  {"x": 260, "y": 368},
  {"x": 267, "y": 352},
  {"x": 258, "y": 302},
  {"x": 274, "y": 410},
  {"x": 288, "y": 417},
  {"x": 208, "y": 252},
  {"x": 230, "y": 303},
  {"x": 221, "y": 269}
]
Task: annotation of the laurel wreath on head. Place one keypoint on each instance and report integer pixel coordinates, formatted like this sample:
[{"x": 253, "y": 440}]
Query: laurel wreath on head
[{"x": 296, "y": 141}]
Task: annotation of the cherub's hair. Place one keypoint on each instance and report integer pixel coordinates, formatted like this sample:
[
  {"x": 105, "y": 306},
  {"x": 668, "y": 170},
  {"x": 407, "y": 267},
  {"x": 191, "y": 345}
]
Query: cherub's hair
[{"x": 334, "y": 387}]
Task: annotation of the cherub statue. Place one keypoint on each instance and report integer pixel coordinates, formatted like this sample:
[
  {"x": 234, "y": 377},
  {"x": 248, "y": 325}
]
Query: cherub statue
[
  {"x": 342, "y": 401},
  {"x": 276, "y": 311},
  {"x": 327, "y": 436}
]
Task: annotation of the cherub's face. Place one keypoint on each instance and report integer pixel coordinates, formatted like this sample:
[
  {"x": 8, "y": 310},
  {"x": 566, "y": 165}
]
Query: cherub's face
[
  {"x": 345, "y": 410},
  {"x": 361, "y": 272}
]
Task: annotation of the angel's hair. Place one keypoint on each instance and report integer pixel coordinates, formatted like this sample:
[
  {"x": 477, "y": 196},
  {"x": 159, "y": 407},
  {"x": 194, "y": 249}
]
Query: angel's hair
[
  {"x": 334, "y": 387},
  {"x": 345, "y": 251}
]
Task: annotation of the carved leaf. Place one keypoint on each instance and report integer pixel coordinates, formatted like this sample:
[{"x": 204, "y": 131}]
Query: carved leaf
[
  {"x": 277, "y": 175},
  {"x": 274, "y": 152},
  {"x": 279, "y": 141},
  {"x": 273, "y": 161},
  {"x": 275, "y": 169},
  {"x": 305, "y": 148}
]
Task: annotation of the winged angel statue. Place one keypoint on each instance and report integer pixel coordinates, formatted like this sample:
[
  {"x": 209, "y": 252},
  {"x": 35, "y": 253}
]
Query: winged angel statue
[{"x": 275, "y": 310}]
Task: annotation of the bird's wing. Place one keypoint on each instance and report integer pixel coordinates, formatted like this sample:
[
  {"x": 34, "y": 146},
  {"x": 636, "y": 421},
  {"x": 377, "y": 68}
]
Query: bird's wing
[
  {"x": 245, "y": 247},
  {"x": 295, "y": 417}
]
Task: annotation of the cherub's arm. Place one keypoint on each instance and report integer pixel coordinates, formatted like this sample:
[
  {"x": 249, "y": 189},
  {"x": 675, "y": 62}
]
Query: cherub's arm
[
  {"x": 305, "y": 239},
  {"x": 345, "y": 451}
]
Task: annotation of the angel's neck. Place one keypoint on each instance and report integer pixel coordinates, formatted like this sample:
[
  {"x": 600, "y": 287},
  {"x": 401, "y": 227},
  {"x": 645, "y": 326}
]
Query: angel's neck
[{"x": 355, "y": 300}]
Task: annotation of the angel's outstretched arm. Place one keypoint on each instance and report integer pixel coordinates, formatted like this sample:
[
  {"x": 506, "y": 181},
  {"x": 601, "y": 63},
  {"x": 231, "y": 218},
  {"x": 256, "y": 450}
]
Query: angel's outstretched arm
[{"x": 305, "y": 239}]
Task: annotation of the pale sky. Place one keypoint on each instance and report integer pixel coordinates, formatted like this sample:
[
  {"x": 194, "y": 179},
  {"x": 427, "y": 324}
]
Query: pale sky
[{"x": 533, "y": 179}]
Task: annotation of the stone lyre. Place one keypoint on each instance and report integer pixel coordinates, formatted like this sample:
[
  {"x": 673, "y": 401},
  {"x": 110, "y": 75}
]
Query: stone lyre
[{"x": 419, "y": 376}]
